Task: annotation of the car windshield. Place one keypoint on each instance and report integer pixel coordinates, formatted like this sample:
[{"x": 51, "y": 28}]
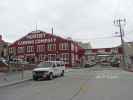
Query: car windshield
[{"x": 44, "y": 65}]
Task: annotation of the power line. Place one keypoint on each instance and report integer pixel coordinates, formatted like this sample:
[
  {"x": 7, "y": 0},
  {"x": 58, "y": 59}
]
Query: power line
[
  {"x": 95, "y": 38},
  {"x": 119, "y": 23}
]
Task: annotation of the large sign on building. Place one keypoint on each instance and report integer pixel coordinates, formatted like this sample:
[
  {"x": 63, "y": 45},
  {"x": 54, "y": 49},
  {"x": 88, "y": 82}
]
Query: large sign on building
[{"x": 39, "y": 46}]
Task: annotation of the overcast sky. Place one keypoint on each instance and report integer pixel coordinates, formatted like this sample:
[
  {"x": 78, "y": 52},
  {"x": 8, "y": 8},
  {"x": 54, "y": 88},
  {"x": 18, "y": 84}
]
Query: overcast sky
[{"x": 83, "y": 20}]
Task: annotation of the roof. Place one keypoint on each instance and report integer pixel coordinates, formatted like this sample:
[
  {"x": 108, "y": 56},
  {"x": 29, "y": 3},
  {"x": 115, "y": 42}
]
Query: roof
[{"x": 40, "y": 31}]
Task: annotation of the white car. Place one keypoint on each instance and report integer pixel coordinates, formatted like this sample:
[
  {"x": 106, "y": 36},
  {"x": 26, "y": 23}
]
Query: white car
[
  {"x": 48, "y": 69},
  {"x": 90, "y": 64}
]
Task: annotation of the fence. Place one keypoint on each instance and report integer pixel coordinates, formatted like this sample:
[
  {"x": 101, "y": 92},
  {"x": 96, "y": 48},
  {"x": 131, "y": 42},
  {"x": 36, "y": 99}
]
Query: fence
[{"x": 16, "y": 67}]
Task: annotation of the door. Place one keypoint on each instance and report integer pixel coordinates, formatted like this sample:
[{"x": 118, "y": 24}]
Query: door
[
  {"x": 59, "y": 68},
  {"x": 55, "y": 69}
]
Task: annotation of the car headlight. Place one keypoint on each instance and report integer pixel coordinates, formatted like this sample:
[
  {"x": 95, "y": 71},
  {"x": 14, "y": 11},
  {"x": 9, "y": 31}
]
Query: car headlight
[{"x": 33, "y": 72}]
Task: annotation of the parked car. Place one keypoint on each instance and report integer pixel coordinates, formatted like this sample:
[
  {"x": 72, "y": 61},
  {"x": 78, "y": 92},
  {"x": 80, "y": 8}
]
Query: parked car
[
  {"x": 3, "y": 61},
  {"x": 49, "y": 70},
  {"x": 90, "y": 64},
  {"x": 105, "y": 63},
  {"x": 19, "y": 61},
  {"x": 115, "y": 62}
]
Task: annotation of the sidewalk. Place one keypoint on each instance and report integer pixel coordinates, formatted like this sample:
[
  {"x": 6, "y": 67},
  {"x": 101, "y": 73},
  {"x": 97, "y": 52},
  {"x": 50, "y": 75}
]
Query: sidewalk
[{"x": 11, "y": 78}]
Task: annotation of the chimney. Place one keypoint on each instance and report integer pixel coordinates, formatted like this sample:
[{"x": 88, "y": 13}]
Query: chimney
[{"x": 0, "y": 37}]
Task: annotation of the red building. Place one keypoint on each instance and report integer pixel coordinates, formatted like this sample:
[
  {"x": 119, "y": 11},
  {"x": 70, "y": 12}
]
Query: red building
[{"x": 38, "y": 46}]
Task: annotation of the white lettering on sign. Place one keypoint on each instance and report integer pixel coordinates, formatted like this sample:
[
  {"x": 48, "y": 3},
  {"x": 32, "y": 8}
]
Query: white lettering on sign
[
  {"x": 50, "y": 40},
  {"x": 26, "y": 42},
  {"x": 36, "y": 36},
  {"x": 37, "y": 41}
]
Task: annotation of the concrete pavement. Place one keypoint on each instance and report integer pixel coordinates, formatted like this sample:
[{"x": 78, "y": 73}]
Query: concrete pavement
[
  {"x": 11, "y": 78},
  {"x": 79, "y": 84}
]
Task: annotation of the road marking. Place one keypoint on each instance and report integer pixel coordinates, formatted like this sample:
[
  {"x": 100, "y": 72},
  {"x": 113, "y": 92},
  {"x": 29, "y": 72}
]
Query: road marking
[
  {"x": 107, "y": 75},
  {"x": 82, "y": 89}
]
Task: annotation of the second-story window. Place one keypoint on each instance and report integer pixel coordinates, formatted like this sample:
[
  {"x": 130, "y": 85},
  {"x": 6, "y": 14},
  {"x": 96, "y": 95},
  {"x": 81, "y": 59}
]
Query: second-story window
[
  {"x": 76, "y": 49},
  {"x": 40, "y": 48},
  {"x": 20, "y": 50},
  {"x": 30, "y": 48},
  {"x": 63, "y": 46},
  {"x": 51, "y": 47},
  {"x": 72, "y": 47},
  {"x": 51, "y": 57},
  {"x": 12, "y": 50}
]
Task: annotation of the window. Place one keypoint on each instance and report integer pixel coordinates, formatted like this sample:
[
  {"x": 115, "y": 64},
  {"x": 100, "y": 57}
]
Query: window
[
  {"x": 40, "y": 48},
  {"x": 58, "y": 65},
  {"x": 65, "y": 57},
  {"x": 63, "y": 46},
  {"x": 54, "y": 47},
  {"x": 60, "y": 46},
  {"x": 72, "y": 47},
  {"x": 41, "y": 57},
  {"x": 76, "y": 49},
  {"x": 20, "y": 50},
  {"x": 77, "y": 57},
  {"x": 72, "y": 57},
  {"x": 12, "y": 50},
  {"x": 51, "y": 47},
  {"x": 51, "y": 57},
  {"x": 30, "y": 48}
]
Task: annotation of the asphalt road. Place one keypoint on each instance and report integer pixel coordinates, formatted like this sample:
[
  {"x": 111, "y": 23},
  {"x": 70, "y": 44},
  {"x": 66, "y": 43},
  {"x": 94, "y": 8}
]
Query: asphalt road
[{"x": 79, "y": 84}]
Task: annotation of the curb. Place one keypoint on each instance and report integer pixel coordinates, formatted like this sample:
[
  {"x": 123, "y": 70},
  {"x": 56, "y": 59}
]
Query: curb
[
  {"x": 128, "y": 70},
  {"x": 14, "y": 83}
]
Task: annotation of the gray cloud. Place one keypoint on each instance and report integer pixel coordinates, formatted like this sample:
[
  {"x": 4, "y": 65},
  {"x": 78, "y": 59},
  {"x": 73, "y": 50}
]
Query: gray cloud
[{"x": 85, "y": 20}]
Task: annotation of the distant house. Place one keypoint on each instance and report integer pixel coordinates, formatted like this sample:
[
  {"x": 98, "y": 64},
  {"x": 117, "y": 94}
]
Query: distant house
[
  {"x": 3, "y": 48},
  {"x": 103, "y": 54},
  {"x": 85, "y": 45},
  {"x": 39, "y": 46}
]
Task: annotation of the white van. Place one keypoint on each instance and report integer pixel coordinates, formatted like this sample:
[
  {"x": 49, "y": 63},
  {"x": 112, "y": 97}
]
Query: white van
[{"x": 49, "y": 69}]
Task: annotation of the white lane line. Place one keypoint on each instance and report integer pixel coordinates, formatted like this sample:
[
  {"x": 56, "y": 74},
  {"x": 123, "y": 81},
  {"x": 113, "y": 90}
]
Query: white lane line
[{"x": 107, "y": 75}]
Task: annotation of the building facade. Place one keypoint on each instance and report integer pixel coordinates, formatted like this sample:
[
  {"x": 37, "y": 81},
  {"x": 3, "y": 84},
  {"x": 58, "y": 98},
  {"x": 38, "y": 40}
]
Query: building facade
[
  {"x": 128, "y": 46},
  {"x": 3, "y": 48},
  {"x": 86, "y": 45},
  {"x": 103, "y": 54},
  {"x": 39, "y": 46}
]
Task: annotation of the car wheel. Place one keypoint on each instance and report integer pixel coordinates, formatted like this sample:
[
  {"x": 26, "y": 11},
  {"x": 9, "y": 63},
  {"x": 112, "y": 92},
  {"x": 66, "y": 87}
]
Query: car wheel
[
  {"x": 35, "y": 78},
  {"x": 51, "y": 76},
  {"x": 62, "y": 73}
]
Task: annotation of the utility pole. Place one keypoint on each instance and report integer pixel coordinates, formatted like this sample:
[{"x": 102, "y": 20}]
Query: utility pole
[
  {"x": 119, "y": 23},
  {"x": 52, "y": 31},
  {"x": 36, "y": 27}
]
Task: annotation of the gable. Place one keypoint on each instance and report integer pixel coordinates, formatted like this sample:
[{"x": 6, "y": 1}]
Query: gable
[{"x": 37, "y": 38}]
